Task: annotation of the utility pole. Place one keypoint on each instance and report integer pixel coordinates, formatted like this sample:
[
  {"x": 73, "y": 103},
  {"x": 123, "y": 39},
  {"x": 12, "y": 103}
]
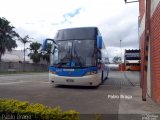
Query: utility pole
[
  {"x": 24, "y": 55},
  {"x": 121, "y": 54},
  {"x": 25, "y": 40},
  {"x": 131, "y": 1}
]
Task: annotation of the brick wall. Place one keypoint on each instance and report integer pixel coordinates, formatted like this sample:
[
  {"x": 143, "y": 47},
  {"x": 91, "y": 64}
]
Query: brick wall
[
  {"x": 141, "y": 8},
  {"x": 142, "y": 38},
  {"x": 142, "y": 56},
  {"x": 155, "y": 54},
  {"x": 155, "y": 49}
]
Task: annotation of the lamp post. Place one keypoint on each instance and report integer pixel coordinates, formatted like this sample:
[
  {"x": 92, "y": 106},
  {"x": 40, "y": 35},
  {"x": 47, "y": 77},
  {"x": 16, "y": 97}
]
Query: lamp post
[
  {"x": 25, "y": 40},
  {"x": 25, "y": 50},
  {"x": 131, "y": 1},
  {"x": 121, "y": 54}
]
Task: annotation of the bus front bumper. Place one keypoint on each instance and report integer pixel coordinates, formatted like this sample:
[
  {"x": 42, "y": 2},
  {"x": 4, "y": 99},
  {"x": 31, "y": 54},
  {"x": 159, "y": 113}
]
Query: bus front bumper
[{"x": 89, "y": 80}]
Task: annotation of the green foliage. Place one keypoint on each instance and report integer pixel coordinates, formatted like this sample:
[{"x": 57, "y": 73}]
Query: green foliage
[
  {"x": 7, "y": 36},
  {"x": 36, "y": 111},
  {"x": 46, "y": 56},
  {"x": 116, "y": 60},
  {"x": 35, "y": 46},
  {"x": 97, "y": 117},
  {"x": 35, "y": 55},
  {"x": 25, "y": 39}
]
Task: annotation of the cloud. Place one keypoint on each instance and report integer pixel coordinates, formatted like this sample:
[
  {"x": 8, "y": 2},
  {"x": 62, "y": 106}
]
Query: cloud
[
  {"x": 73, "y": 13},
  {"x": 42, "y": 18},
  {"x": 69, "y": 15},
  {"x": 122, "y": 26},
  {"x": 34, "y": 35}
]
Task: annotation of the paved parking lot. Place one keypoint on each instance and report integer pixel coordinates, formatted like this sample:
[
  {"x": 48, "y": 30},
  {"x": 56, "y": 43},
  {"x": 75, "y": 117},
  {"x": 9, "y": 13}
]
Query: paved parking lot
[{"x": 103, "y": 100}]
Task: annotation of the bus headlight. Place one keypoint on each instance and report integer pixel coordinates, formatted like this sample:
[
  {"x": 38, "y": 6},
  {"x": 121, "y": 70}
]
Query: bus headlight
[
  {"x": 91, "y": 73},
  {"x": 52, "y": 72}
]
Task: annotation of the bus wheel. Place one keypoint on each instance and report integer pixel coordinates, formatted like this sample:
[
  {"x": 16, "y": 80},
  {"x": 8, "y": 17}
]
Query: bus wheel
[
  {"x": 54, "y": 85},
  {"x": 102, "y": 78},
  {"x": 106, "y": 76}
]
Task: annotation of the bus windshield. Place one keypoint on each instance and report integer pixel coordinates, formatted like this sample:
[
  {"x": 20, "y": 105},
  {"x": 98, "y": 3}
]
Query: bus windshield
[{"x": 74, "y": 53}]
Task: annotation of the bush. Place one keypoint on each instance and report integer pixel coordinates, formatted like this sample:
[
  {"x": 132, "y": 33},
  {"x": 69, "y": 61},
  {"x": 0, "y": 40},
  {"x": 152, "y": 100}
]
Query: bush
[{"x": 25, "y": 110}]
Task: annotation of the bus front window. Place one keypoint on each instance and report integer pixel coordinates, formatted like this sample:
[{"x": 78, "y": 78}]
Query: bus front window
[{"x": 74, "y": 53}]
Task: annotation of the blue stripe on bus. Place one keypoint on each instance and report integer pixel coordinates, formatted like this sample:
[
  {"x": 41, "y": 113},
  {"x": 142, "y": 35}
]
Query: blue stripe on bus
[{"x": 71, "y": 72}]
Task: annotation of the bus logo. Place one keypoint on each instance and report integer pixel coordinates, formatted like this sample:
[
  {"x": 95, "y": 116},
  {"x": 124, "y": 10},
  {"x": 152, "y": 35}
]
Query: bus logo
[{"x": 68, "y": 70}]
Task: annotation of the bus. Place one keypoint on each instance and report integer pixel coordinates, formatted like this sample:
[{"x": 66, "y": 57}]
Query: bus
[
  {"x": 132, "y": 66},
  {"x": 76, "y": 57}
]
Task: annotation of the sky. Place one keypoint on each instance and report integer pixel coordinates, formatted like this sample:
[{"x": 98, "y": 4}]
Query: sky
[{"x": 41, "y": 19}]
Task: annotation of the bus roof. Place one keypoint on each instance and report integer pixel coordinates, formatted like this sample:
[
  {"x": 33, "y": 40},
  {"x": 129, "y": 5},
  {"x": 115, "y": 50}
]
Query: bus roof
[{"x": 89, "y": 33}]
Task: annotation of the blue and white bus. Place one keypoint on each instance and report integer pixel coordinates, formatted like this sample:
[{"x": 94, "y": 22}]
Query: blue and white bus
[{"x": 76, "y": 57}]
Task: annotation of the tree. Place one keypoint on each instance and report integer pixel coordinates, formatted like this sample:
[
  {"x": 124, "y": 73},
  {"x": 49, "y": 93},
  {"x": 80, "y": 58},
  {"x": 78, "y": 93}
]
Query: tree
[
  {"x": 7, "y": 36},
  {"x": 25, "y": 40},
  {"x": 46, "y": 56},
  {"x": 106, "y": 60},
  {"x": 35, "y": 55},
  {"x": 116, "y": 60}
]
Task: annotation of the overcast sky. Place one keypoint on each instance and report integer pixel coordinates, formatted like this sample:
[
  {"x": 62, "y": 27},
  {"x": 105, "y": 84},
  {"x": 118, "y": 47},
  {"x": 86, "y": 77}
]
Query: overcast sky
[{"x": 41, "y": 19}]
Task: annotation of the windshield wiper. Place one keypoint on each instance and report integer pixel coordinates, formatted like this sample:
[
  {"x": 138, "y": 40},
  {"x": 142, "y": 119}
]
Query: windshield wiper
[
  {"x": 78, "y": 58},
  {"x": 63, "y": 61}
]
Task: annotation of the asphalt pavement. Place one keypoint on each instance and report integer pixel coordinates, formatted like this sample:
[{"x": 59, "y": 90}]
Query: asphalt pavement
[{"x": 119, "y": 95}]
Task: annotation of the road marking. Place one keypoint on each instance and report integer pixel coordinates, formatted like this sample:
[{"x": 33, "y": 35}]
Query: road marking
[
  {"x": 132, "y": 84},
  {"x": 45, "y": 82},
  {"x": 13, "y": 82},
  {"x": 7, "y": 83}
]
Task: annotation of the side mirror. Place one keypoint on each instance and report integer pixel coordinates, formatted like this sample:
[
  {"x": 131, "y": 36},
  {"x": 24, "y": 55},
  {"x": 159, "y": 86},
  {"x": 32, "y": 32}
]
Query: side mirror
[
  {"x": 44, "y": 45},
  {"x": 99, "y": 42}
]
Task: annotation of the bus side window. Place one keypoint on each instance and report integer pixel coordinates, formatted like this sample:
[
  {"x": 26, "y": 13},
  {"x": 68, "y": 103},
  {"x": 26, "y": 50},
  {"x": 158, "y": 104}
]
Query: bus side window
[
  {"x": 99, "y": 55},
  {"x": 99, "y": 58}
]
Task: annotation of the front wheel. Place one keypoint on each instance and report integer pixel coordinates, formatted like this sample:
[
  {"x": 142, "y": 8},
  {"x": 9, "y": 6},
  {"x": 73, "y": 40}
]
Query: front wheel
[
  {"x": 102, "y": 78},
  {"x": 107, "y": 76}
]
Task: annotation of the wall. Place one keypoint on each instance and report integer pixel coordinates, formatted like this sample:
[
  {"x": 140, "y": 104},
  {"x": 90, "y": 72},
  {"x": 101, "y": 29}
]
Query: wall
[
  {"x": 142, "y": 37},
  {"x": 15, "y": 66},
  {"x": 122, "y": 67},
  {"x": 141, "y": 8},
  {"x": 142, "y": 56},
  {"x": 155, "y": 52},
  {"x": 154, "y": 48}
]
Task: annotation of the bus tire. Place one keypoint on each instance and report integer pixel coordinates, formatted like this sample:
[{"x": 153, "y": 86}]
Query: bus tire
[
  {"x": 106, "y": 76},
  {"x": 128, "y": 69},
  {"x": 54, "y": 85},
  {"x": 102, "y": 77}
]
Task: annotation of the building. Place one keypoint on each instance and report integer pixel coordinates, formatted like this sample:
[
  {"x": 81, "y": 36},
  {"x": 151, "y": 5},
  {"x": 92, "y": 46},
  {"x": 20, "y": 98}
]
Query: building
[
  {"x": 149, "y": 36},
  {"x": 16, "y": 56},
  {"x": 132, "y": 60}
]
